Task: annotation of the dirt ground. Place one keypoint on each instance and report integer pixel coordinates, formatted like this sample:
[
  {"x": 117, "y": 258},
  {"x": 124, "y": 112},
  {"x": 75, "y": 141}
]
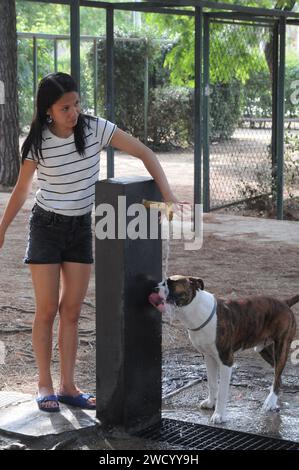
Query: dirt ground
[{"x": 230, "y": 268}]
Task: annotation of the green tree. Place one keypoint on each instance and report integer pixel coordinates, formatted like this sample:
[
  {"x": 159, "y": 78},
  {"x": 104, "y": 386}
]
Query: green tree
[
  {"x": 235, "y": 54},
  {"x": 54, "y": 19},
  {"x": 42, "y": 18},
  {"x": 280, "y": 5},
  {"x": 241, "y": 44}
]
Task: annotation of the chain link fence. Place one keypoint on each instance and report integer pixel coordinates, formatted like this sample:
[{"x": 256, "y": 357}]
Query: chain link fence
[
  {"x": 240, "y": 99},
  {"x": 239, "y": 132},
  {"x": 241, "y": 165}
]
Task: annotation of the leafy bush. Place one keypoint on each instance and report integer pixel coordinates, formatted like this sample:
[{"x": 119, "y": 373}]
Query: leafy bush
[
  {"x": 257, "y": 94},
  {"x": 129, "y": 76},
  {"x": 291, "y": 165},
  {"x": 25, "y": 82},
  {"x": 25, "y": 74},
  {"x": 45, "y": 66},
  {"x": 225, "y": 110},
  {"x": 170, "y": 108},
  {"x": 292, "y": 76},
  {"x": 261, "y": 195},
  {"x": 170, "y": 121}
]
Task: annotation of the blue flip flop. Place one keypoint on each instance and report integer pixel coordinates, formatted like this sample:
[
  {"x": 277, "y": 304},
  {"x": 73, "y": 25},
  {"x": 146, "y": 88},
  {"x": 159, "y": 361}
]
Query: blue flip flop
[
  {"x": 80, "y": 401},
  {"x": 49, "y": 409}
]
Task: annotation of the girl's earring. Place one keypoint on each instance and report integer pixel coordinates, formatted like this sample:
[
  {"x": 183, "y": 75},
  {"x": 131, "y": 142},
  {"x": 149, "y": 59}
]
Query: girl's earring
[{"x": 49, "y": 119}]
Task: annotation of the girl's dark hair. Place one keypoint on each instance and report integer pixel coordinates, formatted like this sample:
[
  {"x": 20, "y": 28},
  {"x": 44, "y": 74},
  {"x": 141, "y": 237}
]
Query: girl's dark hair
[{"x": 50, "y": 89}]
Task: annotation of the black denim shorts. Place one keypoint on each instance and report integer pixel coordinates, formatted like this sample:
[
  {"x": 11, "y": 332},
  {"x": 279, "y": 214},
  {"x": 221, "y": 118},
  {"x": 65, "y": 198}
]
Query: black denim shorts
[{"x": 55, "y": 238}]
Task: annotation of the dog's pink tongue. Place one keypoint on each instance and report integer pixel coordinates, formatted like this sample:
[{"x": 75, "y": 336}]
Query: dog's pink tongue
[{"x": 157, "y": 301}]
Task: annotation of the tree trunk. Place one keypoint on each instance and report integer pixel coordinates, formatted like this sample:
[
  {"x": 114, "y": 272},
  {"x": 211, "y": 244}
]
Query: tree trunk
[
  {"x": 269, "y": 54},
  {"x": 288, "y": 6},
  {"x": 9, "y": 132}
]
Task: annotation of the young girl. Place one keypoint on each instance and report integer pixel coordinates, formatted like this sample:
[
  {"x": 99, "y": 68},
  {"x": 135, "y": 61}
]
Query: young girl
[{"x": 64, "y": 146}]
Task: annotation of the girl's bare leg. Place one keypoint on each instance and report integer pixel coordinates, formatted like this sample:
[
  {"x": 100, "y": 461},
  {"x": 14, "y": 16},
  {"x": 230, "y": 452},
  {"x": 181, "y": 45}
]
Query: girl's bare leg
[
  {"x": 45, "y": 279},
  {"x": 75, "y": 279}
]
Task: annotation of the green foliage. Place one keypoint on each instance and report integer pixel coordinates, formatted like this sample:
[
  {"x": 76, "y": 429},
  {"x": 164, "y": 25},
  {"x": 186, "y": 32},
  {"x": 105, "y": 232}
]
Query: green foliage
[
  {"x": 234, "y": 51},
  {"x": 257, "y": 93},
  {"x": 239, "y": 74},
  {"x": 45, "y": 51},
  {"x": 42, "y": 18},
  {"x": 291, "y": 78},
  {"x": 129, "y": 73},
  {"x": 171, "y": 117},
  {"x": 261, "y": 194},
  {"x": 25, "y": 82},
  {"x": 54, "y": 19},
  {"x": 238, "y": 45},
  {"x": 291, "y": 164},
  {"x": 225, "y": 110},
  {"x": 170, "y": 110},
  {"x": 285, "y": 4},
  {"x": 86, "y": 78},
  {"x": 35, "y": 17}
]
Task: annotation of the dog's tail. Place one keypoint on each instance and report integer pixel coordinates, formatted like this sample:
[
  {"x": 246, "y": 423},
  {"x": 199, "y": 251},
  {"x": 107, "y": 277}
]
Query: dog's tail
[{"x": 292, "y": 301}]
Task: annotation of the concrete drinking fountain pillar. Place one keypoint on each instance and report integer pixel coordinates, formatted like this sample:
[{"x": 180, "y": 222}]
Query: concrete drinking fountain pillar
[{"x": 128, "y": 344}]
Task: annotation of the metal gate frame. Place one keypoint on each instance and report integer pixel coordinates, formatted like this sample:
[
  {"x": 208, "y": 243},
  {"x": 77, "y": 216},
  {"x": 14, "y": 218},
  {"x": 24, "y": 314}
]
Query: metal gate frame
[
  {"x": 199, "y": 9},
  {"x": 277, "y": 140}
]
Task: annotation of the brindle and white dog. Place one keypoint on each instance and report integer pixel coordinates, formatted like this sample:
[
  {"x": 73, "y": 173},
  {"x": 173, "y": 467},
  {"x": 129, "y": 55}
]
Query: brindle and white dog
[{"x": 218, "y": 328}]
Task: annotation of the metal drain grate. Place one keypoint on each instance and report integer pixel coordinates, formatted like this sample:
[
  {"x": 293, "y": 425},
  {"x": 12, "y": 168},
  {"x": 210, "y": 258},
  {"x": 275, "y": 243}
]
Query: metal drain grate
[{"x": 193, "y": 436}]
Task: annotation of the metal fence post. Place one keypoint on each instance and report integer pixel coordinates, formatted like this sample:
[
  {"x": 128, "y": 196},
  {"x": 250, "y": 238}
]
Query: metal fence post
[
  {"x": 95, "y": 76},
  {"x": 280, "y": 117},
  {"x": 55, "y": 45},
  {"x": 205, "y": 121},
  {"x": 274, "y": 39},
  {"x": 197, "y": 105},
  {"x": 35, "y": 67},
  {"x": 75, "y": 40},
  {"x": 110, "y": 82},
  {"x": 146, "y": 93}
]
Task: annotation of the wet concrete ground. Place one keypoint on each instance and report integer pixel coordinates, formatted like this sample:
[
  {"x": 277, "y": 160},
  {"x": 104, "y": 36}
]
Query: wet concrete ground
[
  {"x": 250, "y": 384},
  {"x": 22, "y": 426}
]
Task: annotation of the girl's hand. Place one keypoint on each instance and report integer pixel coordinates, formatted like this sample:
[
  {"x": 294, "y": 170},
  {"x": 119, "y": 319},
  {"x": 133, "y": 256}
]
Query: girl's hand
[
  {"x": 171, "y": 198},
  {"x": 177, "y": 207},
  {"x": 182, "y": 209}
]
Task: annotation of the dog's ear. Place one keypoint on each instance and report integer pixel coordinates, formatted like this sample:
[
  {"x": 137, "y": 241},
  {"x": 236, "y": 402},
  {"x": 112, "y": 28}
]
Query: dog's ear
[{"x": 197, "y": 282}]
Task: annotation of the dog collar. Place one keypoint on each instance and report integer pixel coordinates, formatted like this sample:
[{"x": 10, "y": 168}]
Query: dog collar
[{"x": 207, "y": 321}]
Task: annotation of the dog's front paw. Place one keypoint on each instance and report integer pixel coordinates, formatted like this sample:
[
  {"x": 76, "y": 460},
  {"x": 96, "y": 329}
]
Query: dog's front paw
[
  {"x": 207, "y": 404},
  {"x": 217, "y": 418},
  {"x": 271, "y": 403}
]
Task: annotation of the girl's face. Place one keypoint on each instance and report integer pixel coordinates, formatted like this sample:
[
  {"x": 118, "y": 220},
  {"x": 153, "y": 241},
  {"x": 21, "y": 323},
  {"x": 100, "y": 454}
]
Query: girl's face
[{"x": 65, "y": 112}]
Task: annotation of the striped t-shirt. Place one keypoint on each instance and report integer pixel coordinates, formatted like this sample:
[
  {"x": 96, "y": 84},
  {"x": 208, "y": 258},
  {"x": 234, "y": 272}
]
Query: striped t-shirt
[{"x": 66, "y": 179}]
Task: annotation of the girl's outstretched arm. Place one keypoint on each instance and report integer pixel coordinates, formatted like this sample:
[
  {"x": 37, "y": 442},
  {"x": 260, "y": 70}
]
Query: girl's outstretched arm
[
  {"x": 125, "y": 142},
  {"x": 18, "y": 196}
]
